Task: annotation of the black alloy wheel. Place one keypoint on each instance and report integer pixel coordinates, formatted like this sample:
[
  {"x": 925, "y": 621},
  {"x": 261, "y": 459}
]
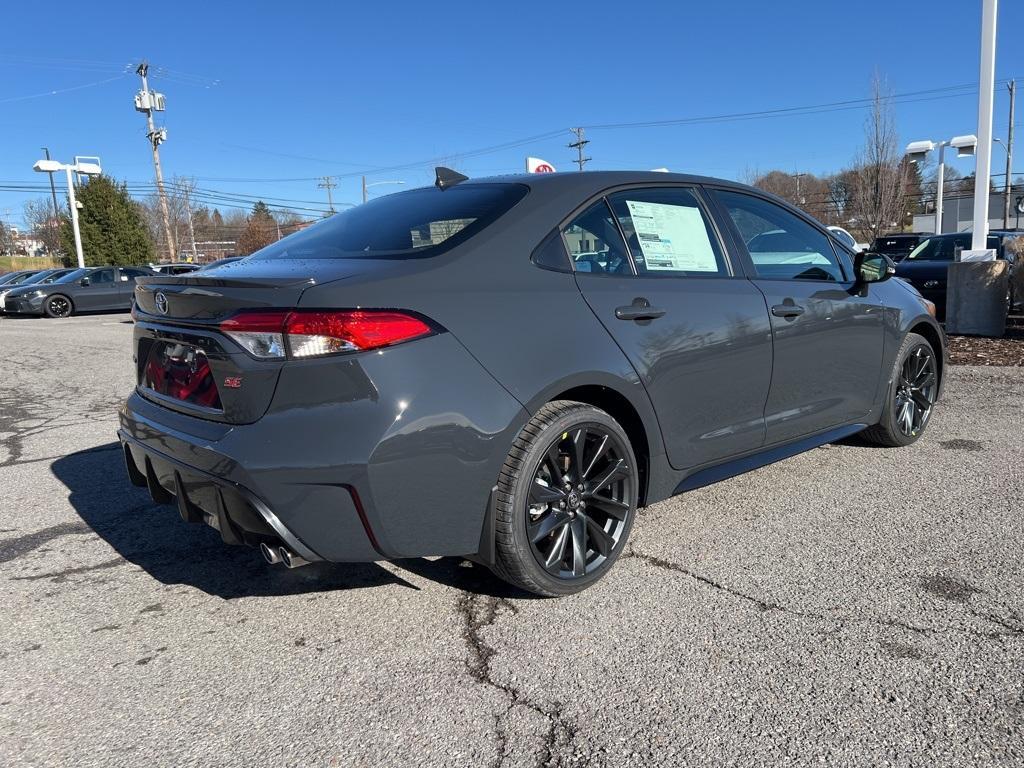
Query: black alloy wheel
[
  {"x": 913, "y": 390},
  {"x": 58, "y": 306},
  {"x": 916, "y": 390},
  {"x": 576, "y": 510},
  {"x": 567, "y": 499}
]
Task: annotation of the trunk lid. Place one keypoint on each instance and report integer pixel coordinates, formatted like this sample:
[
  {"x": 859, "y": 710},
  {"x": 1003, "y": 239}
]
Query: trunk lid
[{"x": 185, "y": 363}]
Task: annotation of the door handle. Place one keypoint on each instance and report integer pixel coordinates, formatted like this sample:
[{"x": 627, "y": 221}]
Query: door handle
[
  {"x": 788, "y": 311},
  {"x": 640, "y": 309}
]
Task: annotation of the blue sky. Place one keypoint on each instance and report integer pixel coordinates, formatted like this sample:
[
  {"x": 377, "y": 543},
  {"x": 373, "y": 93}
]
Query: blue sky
[{"x": 301, "y": 90}]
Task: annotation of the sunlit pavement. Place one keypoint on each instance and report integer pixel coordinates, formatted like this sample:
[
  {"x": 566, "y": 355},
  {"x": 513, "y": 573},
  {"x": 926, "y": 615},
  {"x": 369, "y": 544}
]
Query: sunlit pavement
[{"x": 850, "y": 606}]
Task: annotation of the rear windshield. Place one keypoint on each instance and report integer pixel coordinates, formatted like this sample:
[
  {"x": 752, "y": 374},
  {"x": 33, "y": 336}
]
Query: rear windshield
[{"x": 420, "y": 222}]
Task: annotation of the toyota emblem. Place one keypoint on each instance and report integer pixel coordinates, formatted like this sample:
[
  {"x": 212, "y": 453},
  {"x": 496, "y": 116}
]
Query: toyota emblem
[{"x": 161, "y": 302}]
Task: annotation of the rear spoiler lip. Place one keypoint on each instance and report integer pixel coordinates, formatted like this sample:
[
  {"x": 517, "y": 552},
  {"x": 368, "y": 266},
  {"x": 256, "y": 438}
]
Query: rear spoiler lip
[{"x": 222, "y": 282}]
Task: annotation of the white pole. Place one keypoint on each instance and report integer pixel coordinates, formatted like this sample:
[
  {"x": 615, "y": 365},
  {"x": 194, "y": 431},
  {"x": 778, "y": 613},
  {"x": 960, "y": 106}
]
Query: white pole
[
  {"x": 940, "y": 175},
  {"x": 74, "y": 217},
  {"x": 986, "y": 89}
]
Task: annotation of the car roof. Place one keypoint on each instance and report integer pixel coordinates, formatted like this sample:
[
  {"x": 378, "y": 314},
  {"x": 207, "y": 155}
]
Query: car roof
[{"x": 591, "y": 182}]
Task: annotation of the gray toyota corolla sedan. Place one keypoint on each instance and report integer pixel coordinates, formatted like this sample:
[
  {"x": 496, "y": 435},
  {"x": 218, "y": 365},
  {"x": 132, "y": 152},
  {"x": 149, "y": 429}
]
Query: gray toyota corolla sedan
[
  {"x": 90, "y": 289},
  {"x": 504, "y": 369}
]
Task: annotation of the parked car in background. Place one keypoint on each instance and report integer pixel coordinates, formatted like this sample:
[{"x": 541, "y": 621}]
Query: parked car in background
[
  {"x": 926, "y": 266},
  {"x": 44, "y": 277},
  {"x": 14, "y": 278},
  {"x": 179, "y": 268},
  {"x": 221, "y": 262},
  {"x": 897, "y": 246},
  {"x": 506, "y": 368},
  {"x": 847, "y": 239},
  {"x": 92, "y": 289}
]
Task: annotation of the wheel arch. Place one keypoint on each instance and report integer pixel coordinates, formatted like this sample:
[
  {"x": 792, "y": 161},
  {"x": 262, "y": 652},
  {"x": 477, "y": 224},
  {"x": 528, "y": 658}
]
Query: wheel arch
[
  {"x": 620, "y": 408},
  {"x": 934, "y": 338}
]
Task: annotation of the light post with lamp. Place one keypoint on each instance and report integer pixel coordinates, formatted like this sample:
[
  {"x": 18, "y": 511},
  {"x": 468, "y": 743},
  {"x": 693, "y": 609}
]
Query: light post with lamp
[
  {"x": 917, "y": 151},
  {"x": 374, "y": 184},
  {"x": 80, "y": 167}
]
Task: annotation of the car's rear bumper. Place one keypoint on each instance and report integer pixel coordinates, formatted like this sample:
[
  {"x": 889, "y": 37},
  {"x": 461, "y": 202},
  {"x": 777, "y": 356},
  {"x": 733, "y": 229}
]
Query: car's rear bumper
[
  {"x": 400, "y": 466},
  {"x": 194, "y": 470},
  {"x": 239, "y": 515}
]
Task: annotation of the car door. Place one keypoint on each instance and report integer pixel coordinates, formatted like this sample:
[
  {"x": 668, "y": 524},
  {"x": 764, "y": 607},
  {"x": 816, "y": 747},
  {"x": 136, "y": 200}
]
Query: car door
[
  {"x": 126, "y": 280},
  {"x": 828, "y": 332},
  {"x": 696, "y": 332},
  {"x": 102, "y": 292}
]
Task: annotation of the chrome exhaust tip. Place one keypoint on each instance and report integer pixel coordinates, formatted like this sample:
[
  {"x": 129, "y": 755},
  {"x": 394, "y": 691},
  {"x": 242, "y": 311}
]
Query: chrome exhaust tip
[
  {"x": 271, "y": 555},
  {"x": 290, "y": 559}
]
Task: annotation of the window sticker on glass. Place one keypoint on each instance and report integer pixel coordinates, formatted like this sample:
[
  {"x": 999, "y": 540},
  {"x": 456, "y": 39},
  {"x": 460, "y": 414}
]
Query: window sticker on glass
[{"x": 672, "y": 237}]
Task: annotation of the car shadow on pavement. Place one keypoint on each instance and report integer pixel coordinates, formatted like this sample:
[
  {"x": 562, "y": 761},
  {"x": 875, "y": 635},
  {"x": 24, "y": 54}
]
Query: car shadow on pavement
[{"x": 155, "y": 538}]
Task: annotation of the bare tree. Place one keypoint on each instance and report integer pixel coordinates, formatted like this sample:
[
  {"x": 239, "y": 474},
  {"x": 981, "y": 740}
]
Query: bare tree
[
  {"x": 804, "y": 190},
  {"x": 877, "y": 201},
  {"x": 45, "y": 227}
]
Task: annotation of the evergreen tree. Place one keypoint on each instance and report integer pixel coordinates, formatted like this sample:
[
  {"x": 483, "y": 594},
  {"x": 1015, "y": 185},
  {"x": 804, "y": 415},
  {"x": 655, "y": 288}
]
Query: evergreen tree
[
  {"x": 260, "y": 230},
  {"x": 112, "y": 226}
]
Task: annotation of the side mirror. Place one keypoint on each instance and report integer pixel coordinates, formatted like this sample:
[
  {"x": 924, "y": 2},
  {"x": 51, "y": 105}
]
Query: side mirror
[
  {"x": 871, "y": 267},
  {"x": 84, "y": 281}
]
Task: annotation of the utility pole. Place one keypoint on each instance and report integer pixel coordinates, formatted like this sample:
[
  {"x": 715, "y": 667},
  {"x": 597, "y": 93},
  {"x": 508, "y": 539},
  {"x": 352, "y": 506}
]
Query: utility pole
[
  {"x": 191, "y": 228},
  {"x": 578, "y": 145},
  {"x": 329, "y": 184},
  {"x": 1007, "y": 184},
  {"x": 149, "y": 102},
  {"x": 364, "y": 189},
  {"x": 799, "y": 197},
  {"x": 53, "y": 189}
]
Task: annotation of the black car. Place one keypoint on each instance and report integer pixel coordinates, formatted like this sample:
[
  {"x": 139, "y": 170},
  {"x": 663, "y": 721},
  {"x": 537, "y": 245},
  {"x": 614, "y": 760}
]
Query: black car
[
  {"x": 91, "y": 289},
  {"x": 897, "y": 246},
  {"x": 925, "y": 267},
  {"x": 443, "y": 372},
  {"x": 20, "y": 276}
]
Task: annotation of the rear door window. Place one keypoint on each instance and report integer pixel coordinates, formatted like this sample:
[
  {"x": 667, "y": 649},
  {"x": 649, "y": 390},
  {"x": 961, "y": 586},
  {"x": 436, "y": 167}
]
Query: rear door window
[
  {"x": 406, "y": 225},
  {"x": 668, "y": 233},
  {"x": 102, "y": 276},
  {"x": 594, "y": 243}
]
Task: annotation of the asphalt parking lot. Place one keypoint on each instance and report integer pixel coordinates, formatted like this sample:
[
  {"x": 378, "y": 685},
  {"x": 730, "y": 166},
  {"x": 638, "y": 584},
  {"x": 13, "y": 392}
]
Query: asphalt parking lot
[{"x": 850, "y": 606}]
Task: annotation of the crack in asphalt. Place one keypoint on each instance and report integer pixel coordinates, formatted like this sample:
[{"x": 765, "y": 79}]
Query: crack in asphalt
[
  {"x": 1013, "y": 627},
  {"x": 657, "y": 562},
  {"x": 477, "y": 613},
  {"x": 16, "y": 546},
  {"x": 60, "y": 577}
]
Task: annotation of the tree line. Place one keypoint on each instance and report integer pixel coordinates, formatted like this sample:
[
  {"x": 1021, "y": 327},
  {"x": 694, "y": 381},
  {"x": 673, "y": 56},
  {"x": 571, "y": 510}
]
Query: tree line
[{"x": 118, "y": 229}]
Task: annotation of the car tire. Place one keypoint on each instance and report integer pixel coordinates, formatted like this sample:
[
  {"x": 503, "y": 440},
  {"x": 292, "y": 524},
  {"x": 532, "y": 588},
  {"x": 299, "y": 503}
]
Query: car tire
[
  {"x": 557, "y": 537},
  {"x": 910, "y": 398},
  {"x": 58, "y": 305}
]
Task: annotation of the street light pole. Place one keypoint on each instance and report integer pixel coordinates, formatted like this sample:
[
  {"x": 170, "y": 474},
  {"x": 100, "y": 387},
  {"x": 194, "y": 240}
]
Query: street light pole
[
  {"x": 986, "y": 88},
  {"x": 374, "y": 184},
  {"x": 940, "y": 174},
  {"x": 1007, "y": 185},
  {"x": 74, "y": 216},
  {"x": 82, "y": 167}
]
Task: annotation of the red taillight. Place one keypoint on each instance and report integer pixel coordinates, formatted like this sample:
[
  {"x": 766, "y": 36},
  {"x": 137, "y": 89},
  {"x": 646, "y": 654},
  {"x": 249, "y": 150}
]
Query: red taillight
[{"x": 313, "y": 333}]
